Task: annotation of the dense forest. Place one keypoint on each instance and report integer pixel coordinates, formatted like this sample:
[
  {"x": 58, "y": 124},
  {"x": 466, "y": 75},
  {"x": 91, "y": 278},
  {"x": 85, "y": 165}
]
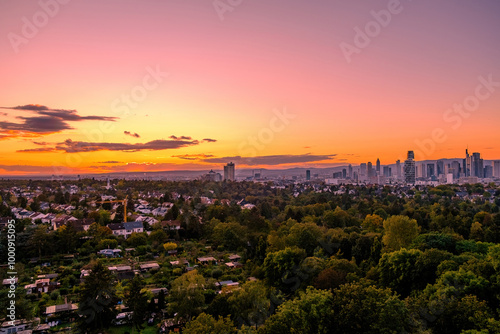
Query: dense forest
[{"x": 314, "y": 258}]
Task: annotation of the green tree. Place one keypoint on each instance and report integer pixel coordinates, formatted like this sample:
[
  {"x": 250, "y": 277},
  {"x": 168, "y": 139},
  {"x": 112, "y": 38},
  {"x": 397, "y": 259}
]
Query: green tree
[
  {"x": 137, "y": 301},
  {"x": 399, "y": 232},
  {"x": 206, "y": 324},
  {"x": 187, "y": 295},
  {"x": 363, "y": 308},
  {"x": 305, "y": 236},
  {"x": 172, "y": 213},
  {"x": 250, "y": 304},
  {"x": 229, "y": 235},
  {"x": 282, "y": 268},
  {"x": 97, "y": 300},
  {"x": 311, "y": 312}
]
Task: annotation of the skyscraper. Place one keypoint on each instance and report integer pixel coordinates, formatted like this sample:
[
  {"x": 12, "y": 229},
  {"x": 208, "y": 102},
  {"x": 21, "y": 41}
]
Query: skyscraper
[
  {"x": 308, "y": 175},
  {"x": 350, "y": 171},
  {"x": 369, "y": 170},
  {"x": 456, "y": 169},
  {"x": 409, "y": 168},
  {"x": 387, "y": 171},
  {"x": 440, "y": 167},
  {"x": 496, "y": 168},
  {"x": 229, "y": 172},
  {"x": 398, "y": 169},
  {"x": 362, "y": 172},
  {"x": 430, "y": 170},
  {"x": 488, "y": 172},
  {"x": 467, "y": 163},
  {"x": 378, "y": 167},
  {"x": 477, "y": 168}
]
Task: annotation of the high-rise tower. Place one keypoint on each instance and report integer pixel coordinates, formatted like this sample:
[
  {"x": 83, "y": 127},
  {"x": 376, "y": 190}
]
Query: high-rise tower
[
  {"x": 229, "y": 172},
  {"x": 409, "y": 168}
]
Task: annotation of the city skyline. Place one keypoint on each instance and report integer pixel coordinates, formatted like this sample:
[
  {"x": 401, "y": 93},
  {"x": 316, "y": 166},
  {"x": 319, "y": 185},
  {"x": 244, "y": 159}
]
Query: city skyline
[{"x": 135, "y": 87}]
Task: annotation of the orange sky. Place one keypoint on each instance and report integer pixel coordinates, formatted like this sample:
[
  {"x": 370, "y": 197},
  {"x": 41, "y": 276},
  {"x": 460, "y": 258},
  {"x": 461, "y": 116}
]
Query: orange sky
[{"x": 265, "y": 84}]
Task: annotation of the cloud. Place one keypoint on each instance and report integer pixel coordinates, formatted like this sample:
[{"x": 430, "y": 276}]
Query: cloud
[
  {"x": 70, "y": 146},
  {"x": 128, "y": 133},
  {"x": 41, "y": 143},
  {"x": 38, "y": 125},
  {"x": 47, "y": 122},
  {"x": 193, "y": 156},
  {"x": 180, "y": 138},
  {"x": 110, "y": 162},
  {"x": 209, "y": 140},
  {"x": 38, "y": 150},
  {"x": 272, "y": 159},
  {"x": 4, "y": 114}
]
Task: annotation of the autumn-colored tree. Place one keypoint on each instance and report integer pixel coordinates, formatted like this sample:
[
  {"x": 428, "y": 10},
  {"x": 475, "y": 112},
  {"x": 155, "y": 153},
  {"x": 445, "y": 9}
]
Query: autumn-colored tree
[{"x": 399, "y": 232}]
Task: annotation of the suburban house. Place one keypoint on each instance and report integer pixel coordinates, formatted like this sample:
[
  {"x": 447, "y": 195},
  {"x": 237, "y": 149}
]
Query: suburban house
[{"x": 41, "y": 285}]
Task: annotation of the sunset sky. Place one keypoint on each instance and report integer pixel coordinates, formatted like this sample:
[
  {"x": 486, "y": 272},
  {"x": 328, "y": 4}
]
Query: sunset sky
[{"x": 148, "y": 85}]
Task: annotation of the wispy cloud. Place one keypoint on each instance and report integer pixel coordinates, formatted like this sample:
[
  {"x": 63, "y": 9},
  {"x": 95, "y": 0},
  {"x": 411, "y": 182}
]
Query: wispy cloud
[
  {"x": 180, "y": 138},
  {"x": 128, "y": 133},
  {"x": 272, "y": 160},
  {"x": 38, "y": 150},
  {"x": 193, "y": 156}
]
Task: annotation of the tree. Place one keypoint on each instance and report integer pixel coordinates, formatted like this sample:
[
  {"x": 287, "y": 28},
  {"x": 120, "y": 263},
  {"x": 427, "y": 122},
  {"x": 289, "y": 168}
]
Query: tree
[
  {"x": 158, "y": 236},
  {"x": 187, "y": 295},
  {"x": 250, "y": 304},
  {"x": 97, "y": 300},
  {"x": 137, "y": 239},
  {"x": 282, "y": 268},
  {"x": 40, "y": 239},
  {"x": 337, "y": 272},
  {"x": 230, "y": 235},
  {"x": 373, "y": 223},
  {"x": 137, "y": 301},
  {"x": 170, "y": 246},
  {"x": 172, "y": 213},
  {"x": 399, "y": 232},
  {"x": 206, "y": 324},
  {"x": 310, "y": 312},
  {"x": 305, "y": 236},
  {"x": 363, "y": 308},
  {"x": 397, "y": 270}
]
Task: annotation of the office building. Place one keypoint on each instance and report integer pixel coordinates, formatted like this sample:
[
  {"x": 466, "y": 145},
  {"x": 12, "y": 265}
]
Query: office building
[
  {"x": 229, "y": 172},
  {"x": 477, "y": 168},
  {"x": 378, "y": 167},
  {"x": 398, "y": 169},
  {"x": 409, "y": 168},
  {"x": 369, "y": 170},
  {"x": 387, "y": 171},
  {"x": 496, "y": 168},
  {"x": 488, "y": 172},
  {"x": 308, "y": 175},
  {"x": 430, "y": 170}
]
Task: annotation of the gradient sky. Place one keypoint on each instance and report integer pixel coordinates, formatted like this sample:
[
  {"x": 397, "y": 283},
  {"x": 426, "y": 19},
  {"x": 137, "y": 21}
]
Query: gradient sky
[{"x": 229, "y": 74}]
